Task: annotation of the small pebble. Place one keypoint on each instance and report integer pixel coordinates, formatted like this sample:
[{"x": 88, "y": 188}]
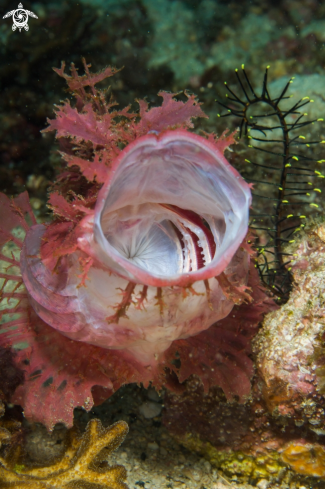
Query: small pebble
[
  {"x": 220, "y": 485},
  {"x": 214, "y": 474},
  {"x": 150, "y": 409},
  {"x": 196, "y": 475},
  {"x": 207, "y": 466},
  {"x": 263, "y": 484},
  {"x": 152, "y": 446}
]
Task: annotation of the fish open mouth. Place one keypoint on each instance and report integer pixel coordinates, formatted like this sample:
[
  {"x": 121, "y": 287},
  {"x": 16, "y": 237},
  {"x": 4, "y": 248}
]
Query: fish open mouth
[
  {"x": 162, "y": 239},
  {"x": 173, "y": 211}
]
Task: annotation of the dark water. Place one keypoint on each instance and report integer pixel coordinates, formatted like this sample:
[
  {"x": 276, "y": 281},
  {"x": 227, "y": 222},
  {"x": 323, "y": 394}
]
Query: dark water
[{"x": 169, "y": 45}]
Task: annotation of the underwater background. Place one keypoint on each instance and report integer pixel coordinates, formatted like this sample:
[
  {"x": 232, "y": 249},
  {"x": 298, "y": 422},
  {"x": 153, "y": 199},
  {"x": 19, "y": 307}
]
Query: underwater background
[{"x": 189, "y": 439}]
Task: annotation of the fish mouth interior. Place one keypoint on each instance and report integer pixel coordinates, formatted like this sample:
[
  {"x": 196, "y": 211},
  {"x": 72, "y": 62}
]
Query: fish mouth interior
[
  {"x": 171, "y": 208},
  {"x": 160, "y": 238}
]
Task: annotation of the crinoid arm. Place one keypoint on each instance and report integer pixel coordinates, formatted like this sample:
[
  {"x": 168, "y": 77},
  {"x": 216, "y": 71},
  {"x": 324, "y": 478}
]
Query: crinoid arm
[{"x": 281, "y": 164}]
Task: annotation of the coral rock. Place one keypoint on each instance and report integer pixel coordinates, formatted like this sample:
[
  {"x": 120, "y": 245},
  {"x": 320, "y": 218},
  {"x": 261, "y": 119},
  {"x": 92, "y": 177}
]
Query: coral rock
[
  {"x": 236, "y": 438},
  {"x": 305, "y": 458},
  {"x": 289, "y": 347},
  {"x": 79, "y": 467}
]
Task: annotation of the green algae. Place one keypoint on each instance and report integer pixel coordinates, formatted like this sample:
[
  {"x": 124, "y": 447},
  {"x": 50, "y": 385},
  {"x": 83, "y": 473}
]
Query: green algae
[{"x": 237, "y": 462}]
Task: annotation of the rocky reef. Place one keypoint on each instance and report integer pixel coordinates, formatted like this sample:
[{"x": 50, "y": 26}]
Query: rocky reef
[
  {"x": 281, "y": 424},
  {"x": 290, "y": 346}
]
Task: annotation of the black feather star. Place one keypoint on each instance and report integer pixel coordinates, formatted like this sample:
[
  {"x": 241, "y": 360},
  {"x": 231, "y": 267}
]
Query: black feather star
[{"x": 283, "y": 171}]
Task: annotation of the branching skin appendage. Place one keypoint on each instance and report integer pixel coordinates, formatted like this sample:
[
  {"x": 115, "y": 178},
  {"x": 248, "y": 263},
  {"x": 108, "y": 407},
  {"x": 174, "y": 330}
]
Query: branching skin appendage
[
  {"x": 125, "y": 303},
  {"x": 285, "y": 171}
]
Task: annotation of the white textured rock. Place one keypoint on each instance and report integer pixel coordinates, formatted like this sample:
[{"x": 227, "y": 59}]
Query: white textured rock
[{"x": 285, "y": 365}]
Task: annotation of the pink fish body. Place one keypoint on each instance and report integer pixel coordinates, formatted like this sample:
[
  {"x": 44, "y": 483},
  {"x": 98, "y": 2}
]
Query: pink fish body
[
  {"x": 135, "y": 277},
  {"x": 171, "y": 215}
]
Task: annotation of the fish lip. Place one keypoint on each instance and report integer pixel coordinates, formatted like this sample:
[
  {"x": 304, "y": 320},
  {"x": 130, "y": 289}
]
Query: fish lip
[{"x": 134, "y": 273}]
